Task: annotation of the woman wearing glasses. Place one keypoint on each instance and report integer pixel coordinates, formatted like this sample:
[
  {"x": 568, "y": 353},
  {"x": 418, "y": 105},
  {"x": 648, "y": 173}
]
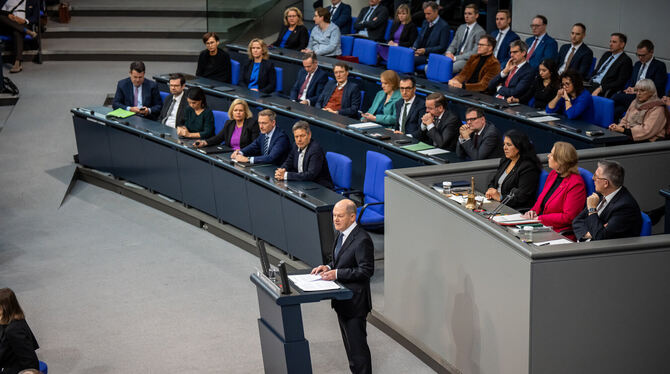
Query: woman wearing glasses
[
  {"x": 293, "y": 34},
  {"x": 213, "y": 62},
  {"x": 572, "y": 99}
]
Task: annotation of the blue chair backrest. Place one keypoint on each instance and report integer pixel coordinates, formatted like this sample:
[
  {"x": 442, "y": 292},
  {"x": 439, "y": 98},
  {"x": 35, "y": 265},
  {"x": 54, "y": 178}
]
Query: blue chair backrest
[
  {"x": 376, "y": 165},
  {"x": 387, "y": 33},
  {"x": 280, "y": 79},
  {"x": 602, "y": 113},
  {"x": 543, "y": 179},
  {"x": 667, "y": 84},
  {"x": 531, "y": 102},
  {"x": 588, "y": 180},
  {"x": 360, "y": 107},
  {"x": 353, "y": 21},
  {"x": 451, "y": 36},
  {"x": 593, "y": 66},
  {"x": 401, "y": 59},
  {"x": 44, "y": 368},
  {"x": 234, "y": 71},
  {"x": 646, "y": 225},
  {"x": 220, "y": 119},
  {"x": 439, "y": 68},
  {"x": 163, "y": 95},
  {"x": 347, "y": 43},
  {"x": 340, "y": 170},
  {"x": 366, "y": 51}
]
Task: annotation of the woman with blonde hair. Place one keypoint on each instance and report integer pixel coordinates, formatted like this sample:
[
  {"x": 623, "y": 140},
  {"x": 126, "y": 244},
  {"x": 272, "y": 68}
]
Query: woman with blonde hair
[
  {"x": 17, "y": 342},
  {"x": 293, "y": 34},
  {"x": 239, "y": 131},
  {"x": 383, "y": 109},
  {"x": 258, "y": 72},
  {"x": 403, "y": 31}
]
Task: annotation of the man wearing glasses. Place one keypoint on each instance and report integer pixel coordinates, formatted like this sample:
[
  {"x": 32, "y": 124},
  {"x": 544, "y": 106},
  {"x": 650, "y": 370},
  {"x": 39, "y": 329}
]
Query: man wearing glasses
[
  {"x": 340, "y": 96},
  {"x": 479, "y": 139},
  {"x": 410, "y": 109},
  {"x": 439, "y": 125},
  {"x": 517, "y": 76},
  {"x": 172, "y": 113},
  {"x": 611, "y": 212},
  {"x": 540, "y": 45},
  {"x": 480, "y": 68}
]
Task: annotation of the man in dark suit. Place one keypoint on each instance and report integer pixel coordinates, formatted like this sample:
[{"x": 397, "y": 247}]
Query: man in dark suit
[
  {"x": 352, "y": 265},
  {"x": 410, "y": 109},
  {"x": 172, "y": 112},
  {"x": 479, "y": 139},
  {"x": 439, "y": 126},
  {"x": 517, "y": 76},
  {"x": 340, "y": 14},
  {"x": 540, "y": 46},
  {"x": 137, "y": 94},
  {"x": 434, "y": 35},
  {"x": 311, "y": 81},
  {"x": 340, "y": 96},
  {"x": 503, "y": 35},
  {"x": 271, "y": 147},
  {"x": 576, "y": 56},
  {"x": 372, "y": 21},
  {"x": 306, "y": 161},
  {"x": 611, "y": 212},
  {"x": 613, "y": 69},
  {"x": 647, "y": 67}
]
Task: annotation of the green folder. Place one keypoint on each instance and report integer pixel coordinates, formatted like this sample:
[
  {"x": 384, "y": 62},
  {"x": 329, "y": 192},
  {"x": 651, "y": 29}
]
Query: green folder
[
  {"x": 120, "y": 113},
  {"x": 420, "y": 146}
]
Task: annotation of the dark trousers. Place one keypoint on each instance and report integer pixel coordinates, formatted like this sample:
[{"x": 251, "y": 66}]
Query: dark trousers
[
  {"x": 354, "y": 335},
  {"x": 17, "y": 31},
  {"x": 621, "y": 103}
]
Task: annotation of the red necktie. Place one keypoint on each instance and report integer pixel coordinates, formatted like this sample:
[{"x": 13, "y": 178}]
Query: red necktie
[
  {"x": 532, "y": 49},
  {"x": 509, "y": 77},
  {"x": 304, "y": 85}
]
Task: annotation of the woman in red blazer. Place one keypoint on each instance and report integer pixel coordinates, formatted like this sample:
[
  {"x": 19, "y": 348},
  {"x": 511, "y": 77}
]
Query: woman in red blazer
[{"x": 564, "y": 193}]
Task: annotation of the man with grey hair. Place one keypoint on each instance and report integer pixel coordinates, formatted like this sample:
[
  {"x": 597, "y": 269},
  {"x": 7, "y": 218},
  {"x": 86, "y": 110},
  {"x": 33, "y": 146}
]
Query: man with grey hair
[
  {"x": 306, "y": 161},
  {"x": 611, "y": 212}
]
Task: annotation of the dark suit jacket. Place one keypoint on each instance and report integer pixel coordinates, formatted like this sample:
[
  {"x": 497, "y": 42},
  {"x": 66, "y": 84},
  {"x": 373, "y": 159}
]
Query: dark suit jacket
[
  {"x": 315, "y": 87},
  {"x": 376, "y": 24},
  {"x": 279, "y": 148},
  {"x": 17, "y": 347},
  {"x": 524, "y": 177},
  {"x": 414, "y": 114},
  {"x": 445, "y": 133},
  {"x": 620, "y": 219},
  {"x": 503, "y": 51},
  {"x": 267, "y": 78},
  {"x": 355, "y": 265},
  {"x": 314, "y": 165},
  {"x": 547, "y": 48},
  {"x": 438, "y": 41},
  {"x": 342, "y": 17},
  {"x": 250, "y": 132},
  {"x": 520, "y": 83},
  {"x": 407, "y": 36},
  {"x": 618, "y": 74},
  {"x": 150, "y": 96},
  {"x": 297, "y": 40},
  {"x": 581, "y": 61},
  {"x": 183, "y": 103},
  {"x": 656, "y": 72},
  {"x": 489, "y": 145},
  {"x": 351, "y": 98}
]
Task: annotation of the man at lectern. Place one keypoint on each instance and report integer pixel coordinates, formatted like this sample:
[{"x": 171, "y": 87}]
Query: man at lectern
[{"x": 352, "y": 265}]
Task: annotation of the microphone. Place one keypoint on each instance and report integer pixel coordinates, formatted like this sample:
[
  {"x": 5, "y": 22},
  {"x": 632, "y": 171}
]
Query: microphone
[{"x": 504, "y": 201}]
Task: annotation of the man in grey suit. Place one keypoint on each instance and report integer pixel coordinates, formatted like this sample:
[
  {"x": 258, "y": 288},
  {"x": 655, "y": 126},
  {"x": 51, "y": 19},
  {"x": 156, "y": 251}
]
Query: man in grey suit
[
  {"x": 479, "y": 139},
  {"x": 466, "y": 38}
]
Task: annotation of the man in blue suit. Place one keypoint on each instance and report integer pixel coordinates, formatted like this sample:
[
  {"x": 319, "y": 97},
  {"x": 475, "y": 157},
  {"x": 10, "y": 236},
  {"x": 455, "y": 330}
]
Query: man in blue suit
[
  {"x": 340, "y": 14},
  {"x": 540, "y": 46},
  {"x": 576, "y": 56},
  {"x": 137, "y": 94},
  {"x": 306, "y": 161},
  {"x": 410, "y": 109},
  {"x": 434, "y": 35},
  {"x": 311, "y": 81},
  {"x": 271, "y": 147},
  {"x": 503, "y": 35},
  {"x": 516, "y": 77},
  {"x": 340, "y": 96}
]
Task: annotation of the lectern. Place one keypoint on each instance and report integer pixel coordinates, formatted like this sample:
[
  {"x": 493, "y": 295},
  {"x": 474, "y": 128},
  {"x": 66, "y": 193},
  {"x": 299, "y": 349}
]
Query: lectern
[{"x": 283, "y": 343}]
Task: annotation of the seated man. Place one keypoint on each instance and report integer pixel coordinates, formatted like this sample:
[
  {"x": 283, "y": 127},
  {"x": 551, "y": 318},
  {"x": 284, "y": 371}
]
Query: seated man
[
  {"x": 271, "y": 147},
  {"x": 540, "y": 45},
  {"x": 340, "y": 14},
  {"x": 137, "y": 94},
  {"x": 480, "y": 68},
  {"x": 613, "y": 70},
  {"x": 479, "y": 139},
  {"x": 172, "y": 113},
  {"x": 310, "y": 82},
  {"x": 517, "y": 76},
  {"x": 434, "y": 35},
  {"x": 372, "y": 21},
  {"x": 410, "y": 109},
  {"x": 439, "y": 126},
  {"x": 503, "y": 35},
  {"x": 465, "y": 39},
  {"x": 340, "y": 96},
  {"x": 576, "y": 56},
  {"x": 611, "y": 212},
  {"x": 306, "y": 161}
]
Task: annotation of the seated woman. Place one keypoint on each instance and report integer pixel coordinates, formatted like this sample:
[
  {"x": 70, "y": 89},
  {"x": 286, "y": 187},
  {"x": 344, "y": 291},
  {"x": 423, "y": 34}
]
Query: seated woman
[
  {"x": 17, "y": 342},
  {"x": 647, "y": 116},
  {"x": 239, "y": 131},
  {"x": 519, "y": 170},
  {"x": 16, "y": 19},
  {"x": 198, "y": 119},
  {"x": 258, "y": 72},
  {"x": 293, "y": 35},
  {"x": 325, "y": 37},
  {"x": 383, "y": 109},
  {"x": 403, "y": 32},
  {"x": 544, "y": 88},
  {"x": 572, "y": 99},
  {"x": 564, "y": 193},
  {"x": 213, "y": 62}
]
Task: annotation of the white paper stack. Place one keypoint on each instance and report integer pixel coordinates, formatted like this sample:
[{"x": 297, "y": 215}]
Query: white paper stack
[{"x": 309, "y": 282}]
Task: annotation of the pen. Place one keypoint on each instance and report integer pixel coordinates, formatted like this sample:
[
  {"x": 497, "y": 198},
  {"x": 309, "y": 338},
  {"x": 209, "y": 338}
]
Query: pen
[{"x": 540, "y": 245}]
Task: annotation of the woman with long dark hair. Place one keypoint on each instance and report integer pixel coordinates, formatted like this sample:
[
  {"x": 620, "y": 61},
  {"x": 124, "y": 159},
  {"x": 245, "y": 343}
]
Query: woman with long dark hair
[
  {"x": 17, "y": 342},
  {"x": 544, "y": 88}
]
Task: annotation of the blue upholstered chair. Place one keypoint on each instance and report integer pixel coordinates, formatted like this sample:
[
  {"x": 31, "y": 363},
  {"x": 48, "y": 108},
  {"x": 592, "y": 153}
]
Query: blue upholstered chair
[
  {"x": 280, "y": 79},
  {"x": 340, "y": 171},
  {"x": 353, "y": 22},
  {"x": 439, "y": 68},
  {"x": 371, "y": 214},
  {"x": 593, "y": 66},
  {"x": 543, "y": 179},
  {"x": 646, "y": 225},
  {"x": 588, "y": 180},
  {"x": 44, "y": 369},
  {"x": 667, "y": 84},
  {"x": 366, "y": 51},
  {"x": 401, "y": 59},
  {"x": 220, "y": 119},
  {"x": 387, "y": 33},
  {"x": 602, "y": 112},
  {"x": 163, "y": 95},
  {"x": 234, "y": 71},
  {"x": 347, "y": 44}
]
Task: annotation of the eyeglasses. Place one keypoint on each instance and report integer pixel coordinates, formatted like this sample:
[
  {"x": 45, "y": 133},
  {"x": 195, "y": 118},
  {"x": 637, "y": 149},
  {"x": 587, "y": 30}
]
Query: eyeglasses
[
  {"x": 406, "y": 88},
  {"x": 642, "y": 54},
  {"x": 468, "y": 120},
  {"x": 595, "y": 177},
  {"x": 482, "y": 45},
  {"x": 534, "y": 26}
]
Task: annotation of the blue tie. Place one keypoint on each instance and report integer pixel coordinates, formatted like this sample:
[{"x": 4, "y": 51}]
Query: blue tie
[
  {"x": 338, "y": 245},
  {"x": 266, "y": 145}
]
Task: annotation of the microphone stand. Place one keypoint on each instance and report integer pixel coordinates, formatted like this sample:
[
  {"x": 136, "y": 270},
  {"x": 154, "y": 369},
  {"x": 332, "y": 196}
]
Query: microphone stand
[{"x": 502, "y": 203}]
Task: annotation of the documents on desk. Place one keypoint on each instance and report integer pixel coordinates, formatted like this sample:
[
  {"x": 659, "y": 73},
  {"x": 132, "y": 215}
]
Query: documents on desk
[
  {"x": 433, "y": 151},
  {"x": 420, "y": 146},
  {"x": 553, "y": 242},
  {"x": 513, "y": 220},
  {"x": 312, "y": 282},
  {"x": 463, "y": 199},
  {"x": 364, "y": 126}
]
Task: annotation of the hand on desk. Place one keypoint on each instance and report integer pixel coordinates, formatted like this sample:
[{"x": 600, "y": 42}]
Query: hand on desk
[
  {"x": 615, "y": 127},
  {"x": 279, "y": 174},
  {"x": 328, "y": 275},
  {"x": 455, "y": 83},
  {"x": 237, "y": 156},
  {"x": 304, "y": 102},
  {"x": 255, "y": 89},
  {"x": 530, "y": 215},
  {"x": 369, "y": 117},
  {"x": 183, "y": 132},
  {"x": 199, "y": 143},
  {"x": 512, "y": 100},
  {"x": 330, "y": 110},
  {"x": 492, "y": 194}
]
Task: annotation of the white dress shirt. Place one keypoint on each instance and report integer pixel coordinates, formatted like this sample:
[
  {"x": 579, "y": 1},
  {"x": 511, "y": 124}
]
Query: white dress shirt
[{"x": 172, "y": 116}]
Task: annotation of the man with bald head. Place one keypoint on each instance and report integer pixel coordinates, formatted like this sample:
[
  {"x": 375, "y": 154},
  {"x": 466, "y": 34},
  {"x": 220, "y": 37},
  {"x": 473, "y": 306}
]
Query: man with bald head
[{"x": 352, "y": 265}]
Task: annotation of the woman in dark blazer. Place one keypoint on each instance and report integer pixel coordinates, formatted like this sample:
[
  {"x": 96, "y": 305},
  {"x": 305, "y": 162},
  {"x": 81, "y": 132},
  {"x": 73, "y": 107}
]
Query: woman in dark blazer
[
  {"x": 293, "y": 35},
  {"x": 239, "y": 131},
  {"x": 198, "y": 118},
  {"x": 403, "y": 32},
  {"x": 258, "y": 72},
  {"x": 17, "y": 342},
  {"x": 544, "y": 87},
  {"x": 519, "y": 169}
]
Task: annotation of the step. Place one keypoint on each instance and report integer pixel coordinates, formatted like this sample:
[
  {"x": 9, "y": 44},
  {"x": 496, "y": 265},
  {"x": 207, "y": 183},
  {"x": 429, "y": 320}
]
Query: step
[
  {"x": 132, "y": 27},
  {"x": 174, "y": 8},
  {"x": 118, "y": 49}
]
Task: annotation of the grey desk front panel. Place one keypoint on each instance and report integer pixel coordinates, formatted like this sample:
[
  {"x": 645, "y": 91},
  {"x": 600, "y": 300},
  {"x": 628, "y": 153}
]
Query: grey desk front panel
[
  {"x": 161, "y": 169},
  {"x": 127, "y": 156},
  {"x": 230, "y": 193},
  {"x": 266, "y": 211},
  {"x": 196, "y": 181},
  {"x": 93, "y": 144}
]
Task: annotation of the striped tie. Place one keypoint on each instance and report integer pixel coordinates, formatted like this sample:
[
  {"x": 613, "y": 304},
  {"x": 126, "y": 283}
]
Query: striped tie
[{"x": 266, "y": 145}]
